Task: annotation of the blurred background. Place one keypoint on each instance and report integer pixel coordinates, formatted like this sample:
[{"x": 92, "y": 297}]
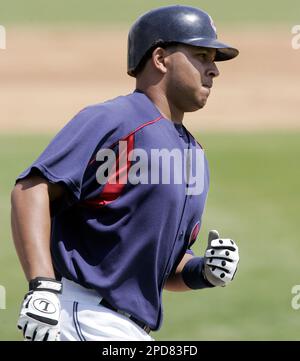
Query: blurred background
[{"x": 62, "y": 56}]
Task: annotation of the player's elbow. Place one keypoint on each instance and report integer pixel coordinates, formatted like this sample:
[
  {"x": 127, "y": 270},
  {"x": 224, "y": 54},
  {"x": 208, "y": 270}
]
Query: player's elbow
[
  {"x": 26, "y": 190},
  {"x": 16, "y": 195},
  {"x": 15, "y": 201}
]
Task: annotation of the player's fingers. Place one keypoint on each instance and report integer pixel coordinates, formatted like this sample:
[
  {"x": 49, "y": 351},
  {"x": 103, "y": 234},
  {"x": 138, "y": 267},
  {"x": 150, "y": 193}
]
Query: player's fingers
[
  {"x": 225, "y": 254},
  {"x": 24, "y": 329},
  {"x": 224, "y": 243},
  {"x": 22, "y": 322},
  {"x": 52, "y": 334},
  {"x": 228, "y": 267},
  {"x": 221, "y": 275},
  {"x": 41, "y": 332},
  {"x": 31, "y": 327},
  {"x": 34, "y": 334}
]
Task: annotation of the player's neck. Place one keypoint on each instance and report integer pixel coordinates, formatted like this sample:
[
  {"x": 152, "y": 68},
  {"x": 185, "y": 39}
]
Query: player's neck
[{"x": 165, "y": 107}]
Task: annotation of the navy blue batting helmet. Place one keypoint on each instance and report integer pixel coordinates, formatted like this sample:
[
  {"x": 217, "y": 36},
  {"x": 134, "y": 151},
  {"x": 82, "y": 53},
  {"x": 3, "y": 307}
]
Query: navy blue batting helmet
[{"x": 173, "y": 24}]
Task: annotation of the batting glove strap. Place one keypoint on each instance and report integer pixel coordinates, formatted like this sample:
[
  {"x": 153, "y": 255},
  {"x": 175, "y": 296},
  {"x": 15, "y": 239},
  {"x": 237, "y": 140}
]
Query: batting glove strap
[{"x": 45, "y": 284}]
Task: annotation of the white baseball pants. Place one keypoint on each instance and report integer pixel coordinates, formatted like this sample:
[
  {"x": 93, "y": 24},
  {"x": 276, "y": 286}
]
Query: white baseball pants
[{"x": 83, "y": 319}]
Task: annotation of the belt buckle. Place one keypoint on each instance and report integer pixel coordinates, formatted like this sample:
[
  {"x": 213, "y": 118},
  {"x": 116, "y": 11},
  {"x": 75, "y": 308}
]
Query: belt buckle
[
  {"x": 143, "y": 326},
  {"x": 147, "y": 329}
]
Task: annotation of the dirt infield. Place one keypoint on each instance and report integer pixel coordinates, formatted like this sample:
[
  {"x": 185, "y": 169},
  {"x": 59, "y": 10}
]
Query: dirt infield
[{"x": 47, "y": 75}]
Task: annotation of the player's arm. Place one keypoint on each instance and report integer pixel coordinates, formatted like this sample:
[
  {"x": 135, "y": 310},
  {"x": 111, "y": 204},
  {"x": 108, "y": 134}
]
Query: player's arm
[
  {"x": 31, "y": 222},
  {"x": 175, "y": 282},
  {"x": 31, "y": 225},
  {"x": 216, "y": 268}
]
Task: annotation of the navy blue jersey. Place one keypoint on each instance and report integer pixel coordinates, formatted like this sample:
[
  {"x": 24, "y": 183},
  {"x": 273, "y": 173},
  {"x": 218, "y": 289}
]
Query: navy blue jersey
[{"x": 119, "y": 238}]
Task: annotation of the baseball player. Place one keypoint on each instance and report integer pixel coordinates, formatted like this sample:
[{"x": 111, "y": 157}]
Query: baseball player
[{"x": 97, "y": 245}]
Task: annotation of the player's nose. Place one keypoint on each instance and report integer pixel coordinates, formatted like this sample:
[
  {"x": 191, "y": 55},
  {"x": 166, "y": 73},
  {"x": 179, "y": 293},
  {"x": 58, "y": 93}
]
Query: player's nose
[{"x": 213, "y": 71}]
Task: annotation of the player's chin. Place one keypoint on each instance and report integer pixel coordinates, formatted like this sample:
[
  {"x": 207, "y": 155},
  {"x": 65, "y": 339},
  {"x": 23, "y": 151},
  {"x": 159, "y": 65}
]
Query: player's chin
[
  {"x": 201, "y": 97},
  {"x": 196, "y": 100},
  {"x": 202, "y": 103},
  {"x": 199, "y": 103}
]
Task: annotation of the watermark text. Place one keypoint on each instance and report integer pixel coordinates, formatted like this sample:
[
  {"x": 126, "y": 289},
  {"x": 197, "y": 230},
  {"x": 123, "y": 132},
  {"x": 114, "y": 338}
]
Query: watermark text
[
  {"x": 2, "y": 37},
  {"x": 2, "y": 298},
  {"x": 296, "y": 37},
  {"x": 296, "y": 299},
  {"x": 158, "y": 166}
]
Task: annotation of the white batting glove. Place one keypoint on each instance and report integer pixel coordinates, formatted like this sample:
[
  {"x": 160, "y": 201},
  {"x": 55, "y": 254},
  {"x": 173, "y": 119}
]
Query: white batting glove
[
  {"x": 40, "y": 311},
  {"x": 221, "y": 259}
]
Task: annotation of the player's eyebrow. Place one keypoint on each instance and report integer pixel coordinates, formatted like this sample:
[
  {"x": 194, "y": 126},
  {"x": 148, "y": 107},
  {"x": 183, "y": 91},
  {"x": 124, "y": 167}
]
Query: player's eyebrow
[
  {"x": 202, "y": 50},
  {"x": 205, "y": 51}
]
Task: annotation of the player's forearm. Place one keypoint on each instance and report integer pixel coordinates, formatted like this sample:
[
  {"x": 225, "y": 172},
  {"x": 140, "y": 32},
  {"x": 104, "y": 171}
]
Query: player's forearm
[
  {"x": 175, "y": 282},
  {"x": 31, "y": 224},
  {"x": 189, "y": 275}
]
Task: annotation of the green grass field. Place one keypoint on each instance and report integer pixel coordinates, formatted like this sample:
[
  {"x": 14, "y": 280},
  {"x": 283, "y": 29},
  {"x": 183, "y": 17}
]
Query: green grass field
[
  {"x": 254, "y": 199},
  {"x": 124, "y": 11}
]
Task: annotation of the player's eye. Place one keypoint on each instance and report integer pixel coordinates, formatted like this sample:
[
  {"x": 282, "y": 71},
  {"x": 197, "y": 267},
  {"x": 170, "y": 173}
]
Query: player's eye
[{"x": 205, "y": 57}]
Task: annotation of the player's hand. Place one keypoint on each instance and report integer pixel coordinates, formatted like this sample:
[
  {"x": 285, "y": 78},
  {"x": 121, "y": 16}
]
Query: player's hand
[
  {"x": 40, "y": 311},
  {"x": 221, "y": 259}
]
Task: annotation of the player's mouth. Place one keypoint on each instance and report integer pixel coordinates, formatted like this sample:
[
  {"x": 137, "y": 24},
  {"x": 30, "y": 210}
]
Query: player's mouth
[{"x": 207, "y": 88}]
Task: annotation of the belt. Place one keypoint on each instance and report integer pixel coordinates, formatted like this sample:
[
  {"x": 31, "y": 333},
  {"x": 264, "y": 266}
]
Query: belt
[{"x": 141, "y": 324}]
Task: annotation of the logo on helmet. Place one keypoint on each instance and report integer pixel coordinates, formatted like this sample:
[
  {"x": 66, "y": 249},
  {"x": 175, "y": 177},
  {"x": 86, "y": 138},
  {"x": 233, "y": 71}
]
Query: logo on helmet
[{"x": 212, "y": 23}]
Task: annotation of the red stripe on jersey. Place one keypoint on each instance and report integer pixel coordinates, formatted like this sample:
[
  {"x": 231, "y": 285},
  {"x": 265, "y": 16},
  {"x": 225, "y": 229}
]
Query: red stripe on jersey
[
  {"x": 194, "y": 234},
  {"x": 144, "y": 125},
  {"x": 133, "y": 132},
  {"x": 117, "y": 180}
]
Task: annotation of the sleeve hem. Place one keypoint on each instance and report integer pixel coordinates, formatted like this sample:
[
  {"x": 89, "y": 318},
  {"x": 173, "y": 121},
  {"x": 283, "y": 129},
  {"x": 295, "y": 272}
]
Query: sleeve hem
[{"x": 51, "y": 178}]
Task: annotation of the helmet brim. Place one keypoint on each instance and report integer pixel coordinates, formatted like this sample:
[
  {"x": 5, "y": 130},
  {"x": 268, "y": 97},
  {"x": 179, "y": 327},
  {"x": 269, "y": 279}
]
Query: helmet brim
[{"x": 224, "y": 51}]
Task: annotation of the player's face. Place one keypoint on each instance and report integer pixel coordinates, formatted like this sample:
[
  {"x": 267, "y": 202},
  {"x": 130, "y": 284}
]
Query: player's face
[{"x": 190, "y": 77}]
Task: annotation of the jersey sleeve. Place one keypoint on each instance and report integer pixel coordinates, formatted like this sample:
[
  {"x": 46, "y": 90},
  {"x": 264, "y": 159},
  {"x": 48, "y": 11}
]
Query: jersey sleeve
[
  {"x": 190, "y": 251},
  {"x": 66, "y": 157}
]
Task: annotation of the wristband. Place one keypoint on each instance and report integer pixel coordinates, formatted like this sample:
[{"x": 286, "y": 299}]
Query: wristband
[{"x": 193, "y": 275}]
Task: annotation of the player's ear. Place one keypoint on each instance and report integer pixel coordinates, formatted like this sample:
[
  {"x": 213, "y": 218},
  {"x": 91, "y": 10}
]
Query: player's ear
[{"x": 158, "y": 59}]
